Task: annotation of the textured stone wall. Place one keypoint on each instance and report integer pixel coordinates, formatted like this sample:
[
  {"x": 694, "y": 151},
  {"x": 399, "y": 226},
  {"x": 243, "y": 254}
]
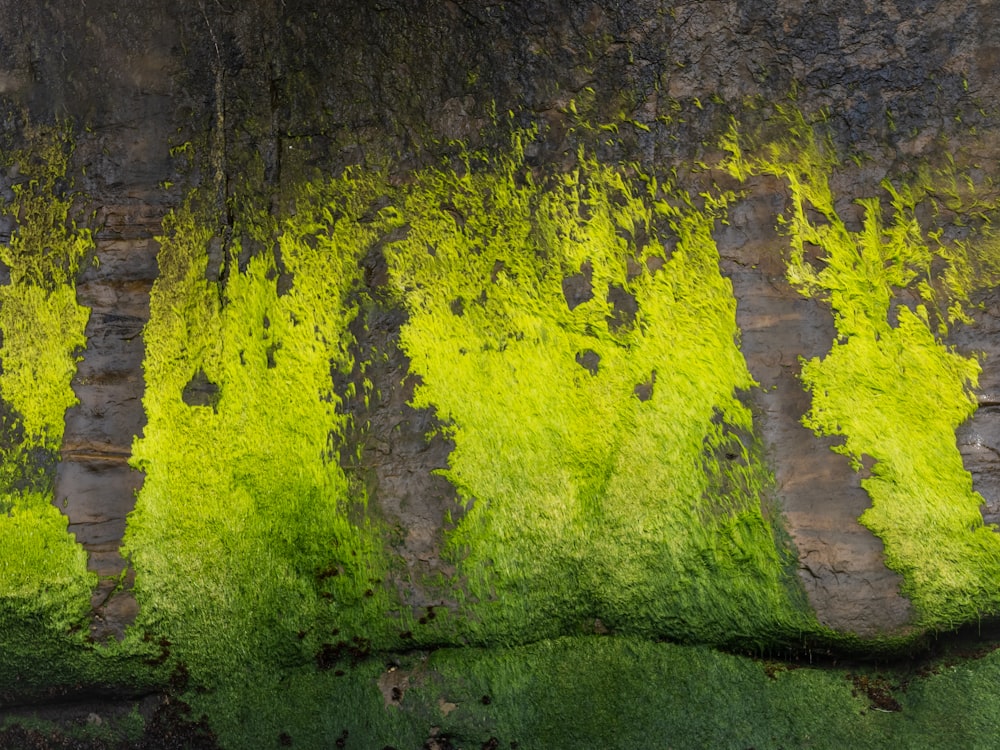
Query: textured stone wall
[{"x": 246, "y": 102}]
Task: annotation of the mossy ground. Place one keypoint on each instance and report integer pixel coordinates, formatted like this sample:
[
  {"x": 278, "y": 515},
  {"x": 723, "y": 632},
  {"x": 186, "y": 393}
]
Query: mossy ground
[{"x": 627, "y": 693}]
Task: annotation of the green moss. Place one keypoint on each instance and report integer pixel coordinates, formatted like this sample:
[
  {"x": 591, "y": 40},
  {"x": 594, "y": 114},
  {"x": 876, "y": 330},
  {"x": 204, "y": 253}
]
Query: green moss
[
  {"x": 45, "y": 586},
  {"x": 42, "y": 324},
  {"x": 575, "y": 337},
  {"x": 42, "y": 571},
  {"x": 588, "y": 421},
  {"x": 611, "y": 692},
  {"x": 622, "y": 493},
  {"x": 243, "y": 551},
  {"x": 890, "y": 387}
]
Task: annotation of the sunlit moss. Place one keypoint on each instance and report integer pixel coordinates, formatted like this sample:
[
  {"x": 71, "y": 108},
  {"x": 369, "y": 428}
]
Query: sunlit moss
[
  {"x": 889, "y": 386},
  {"x": 240, "y": 538},
  {"x": 586, "y": 418},
  {"x": 42, "y": 569},
  {"x": 574, "y": 336},
  {"x": 42, "y": 324},
  {"x": 607, "y": 464}
]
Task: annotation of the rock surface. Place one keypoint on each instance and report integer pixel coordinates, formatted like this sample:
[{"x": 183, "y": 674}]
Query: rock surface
[
  {"x": 293, "y": 84},
  {"x": 841, "y": 565},
  {"x": 94, "y": 484}
]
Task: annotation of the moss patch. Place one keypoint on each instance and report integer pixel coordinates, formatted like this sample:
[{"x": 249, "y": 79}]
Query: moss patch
[
  {"x": 624, "y": 693},
  {"x": 576, "y": 337},
  {"x": 43, "y": 573},
  {"x": 889, "y": 386},
  {"x": 244, "y": 553}
]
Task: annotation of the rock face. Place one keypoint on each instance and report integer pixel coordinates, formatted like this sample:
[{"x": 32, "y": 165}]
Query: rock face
[
  {"x": 286, "y": 87},
  {"x": 979, "y": 438},
  {"x": 94, "y": 484},
  {"x": 841, "y": 564}
]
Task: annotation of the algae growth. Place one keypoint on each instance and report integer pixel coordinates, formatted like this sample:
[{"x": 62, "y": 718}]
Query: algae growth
[
  {"x": 42, "y": 571},
  {"x": 890, "y": 386},
  {"x": 608, "y": 464},
  {"x": 578, "y": 341},
  {"x": 241, "y": 542}
]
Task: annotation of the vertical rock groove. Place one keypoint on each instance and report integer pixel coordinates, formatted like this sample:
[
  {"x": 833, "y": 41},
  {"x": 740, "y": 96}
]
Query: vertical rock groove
[{"x": 95, "y": 487}]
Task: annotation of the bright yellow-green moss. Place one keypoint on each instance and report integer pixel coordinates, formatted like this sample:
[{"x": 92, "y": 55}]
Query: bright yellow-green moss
[
  {"x": 576, "y": 339},
  {"x": 628, "y": 490},
  {"x": 42, "y": 569},
  {"x": 240, "y": 531},
  {"x": 42, "y": 326},
  {"x": 889, "y": 386},
  {"x": 589, "y": 426}
]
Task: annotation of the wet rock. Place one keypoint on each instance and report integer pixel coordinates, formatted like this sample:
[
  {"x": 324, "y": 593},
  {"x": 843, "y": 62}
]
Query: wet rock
[
  {"x": 841, "y": 563},
  {"x": 403, "y": 454},
  {"x": 200, "y": 391},
  {"x": 94, "y": 486},
  {"x": 644, "y": 391}
]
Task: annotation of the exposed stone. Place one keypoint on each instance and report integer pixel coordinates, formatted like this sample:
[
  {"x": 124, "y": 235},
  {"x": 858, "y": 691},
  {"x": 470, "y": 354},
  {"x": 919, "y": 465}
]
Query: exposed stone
[
  {"x": 979, "y": 437},
  {"x": 623, "y": 308},
  {"x": 841, "y": 563},
  {"x": 589, "y": 360},
  {"x": 94, "y": 485},
  {"x": 577, "y": 287}
]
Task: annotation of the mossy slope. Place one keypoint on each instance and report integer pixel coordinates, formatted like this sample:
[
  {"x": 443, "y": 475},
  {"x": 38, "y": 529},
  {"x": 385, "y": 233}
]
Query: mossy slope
[{"x": 624, "y": 693}]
